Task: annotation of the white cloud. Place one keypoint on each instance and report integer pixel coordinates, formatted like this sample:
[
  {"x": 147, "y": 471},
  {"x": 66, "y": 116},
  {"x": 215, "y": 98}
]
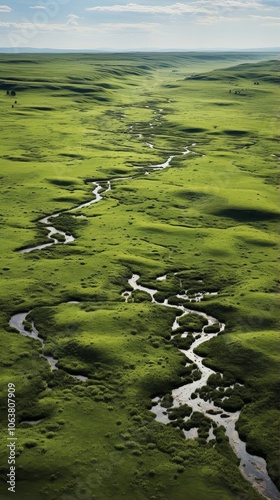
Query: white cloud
[
  {"x": 5, "y": 8},
  {"x": 128, "y": 26},
  {"x": 38, "y": 7},
  {"x": 176, "y": 8},
  {"x": 66, "y": 28},
  {"x": 265, "y": 17},
  {"x": 232, "y": 4},
  {"x": 217, "y": 20},
  {"x": 29, "y": 26},
  {"x": 267, "y": 20},
  {"x": 195, "y": 7}
]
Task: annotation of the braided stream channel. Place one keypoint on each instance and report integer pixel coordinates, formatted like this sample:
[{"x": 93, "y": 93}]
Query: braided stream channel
[{"x": 252, "y": 467}]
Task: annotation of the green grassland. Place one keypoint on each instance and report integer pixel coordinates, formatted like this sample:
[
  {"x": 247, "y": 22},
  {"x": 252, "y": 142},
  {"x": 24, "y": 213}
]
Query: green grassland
[{"x": 211, "y": 216}]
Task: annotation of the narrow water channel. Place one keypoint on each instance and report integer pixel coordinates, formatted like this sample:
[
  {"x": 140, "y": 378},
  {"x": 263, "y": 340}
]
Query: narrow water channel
[
  {"x": 18, "y": 323},
  {"x": 98, "y": 192}
]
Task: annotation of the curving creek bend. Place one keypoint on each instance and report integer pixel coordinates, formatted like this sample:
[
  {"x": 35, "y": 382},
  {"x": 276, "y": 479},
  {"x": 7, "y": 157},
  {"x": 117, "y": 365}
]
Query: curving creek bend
[{"x": 252, "y": 467}]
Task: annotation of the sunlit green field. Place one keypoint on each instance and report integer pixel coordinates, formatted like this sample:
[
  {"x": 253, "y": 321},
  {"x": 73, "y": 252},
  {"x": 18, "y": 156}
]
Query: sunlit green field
[{"x": 211, "y": 216}]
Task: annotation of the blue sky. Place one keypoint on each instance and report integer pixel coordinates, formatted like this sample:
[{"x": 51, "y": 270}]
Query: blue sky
[{"x": 92, "y": 24}]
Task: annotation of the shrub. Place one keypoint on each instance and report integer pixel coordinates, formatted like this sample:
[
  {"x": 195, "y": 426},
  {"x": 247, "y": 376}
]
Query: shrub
[
  {"x": 213, "y": 328},
  {"x": 50, "y": 435},
  {"x": 180, "y": 469},
  {"x": 180, "y": 412},
  {"x": 167, "y": 401},
  {"x": 30, "y": 444},
  {"x": 119, "y": 447}
]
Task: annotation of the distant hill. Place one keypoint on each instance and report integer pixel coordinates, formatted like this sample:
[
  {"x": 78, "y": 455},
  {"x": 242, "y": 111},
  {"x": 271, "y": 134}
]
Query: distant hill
[
  {"x": 30, "y": 50},
  {"x": 265, "y": 71}
]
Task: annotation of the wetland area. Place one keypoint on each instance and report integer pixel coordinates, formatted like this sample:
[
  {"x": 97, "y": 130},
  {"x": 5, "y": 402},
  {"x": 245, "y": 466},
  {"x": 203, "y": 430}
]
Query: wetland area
[{"x": 139, "y": 275}]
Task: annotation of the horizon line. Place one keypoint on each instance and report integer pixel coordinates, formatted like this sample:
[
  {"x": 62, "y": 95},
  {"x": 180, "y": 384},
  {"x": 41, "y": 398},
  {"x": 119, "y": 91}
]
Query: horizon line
[{"x": 156, "y": 49}]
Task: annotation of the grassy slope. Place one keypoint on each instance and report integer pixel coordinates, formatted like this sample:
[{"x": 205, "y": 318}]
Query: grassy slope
[{"x": 211, "y": 217}]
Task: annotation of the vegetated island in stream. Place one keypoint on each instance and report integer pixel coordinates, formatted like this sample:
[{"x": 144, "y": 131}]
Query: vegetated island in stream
[{"x": 96, "y": 355}]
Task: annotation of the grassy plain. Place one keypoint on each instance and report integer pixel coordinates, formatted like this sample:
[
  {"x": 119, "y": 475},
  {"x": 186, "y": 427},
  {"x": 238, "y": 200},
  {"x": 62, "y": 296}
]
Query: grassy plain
[{"x": 211, "y": 216}]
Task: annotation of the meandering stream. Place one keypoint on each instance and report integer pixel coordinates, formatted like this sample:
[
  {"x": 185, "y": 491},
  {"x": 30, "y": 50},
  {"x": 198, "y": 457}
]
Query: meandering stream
[
  {"x": 18, "y": 323},
  {"x": 68, "y": 238},
  {"x": 98, "y": 189},
  {"x": 252, "y": 467}
]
